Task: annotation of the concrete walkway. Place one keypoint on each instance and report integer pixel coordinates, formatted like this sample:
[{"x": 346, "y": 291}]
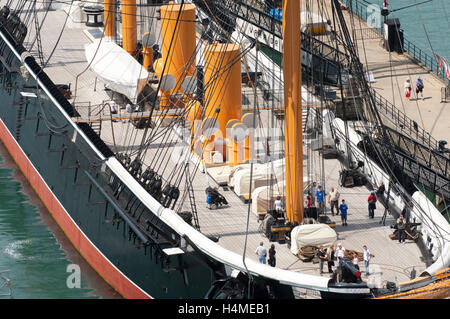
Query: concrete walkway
[{"x": 390, "y": 71}]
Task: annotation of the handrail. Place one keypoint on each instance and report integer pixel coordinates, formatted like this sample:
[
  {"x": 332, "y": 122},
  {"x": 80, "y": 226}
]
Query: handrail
[{"x": 402, "y": 120}]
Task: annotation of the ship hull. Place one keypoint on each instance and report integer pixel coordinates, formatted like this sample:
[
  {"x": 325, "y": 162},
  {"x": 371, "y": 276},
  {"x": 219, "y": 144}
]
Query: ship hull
[{"x": 64, "y": 164}]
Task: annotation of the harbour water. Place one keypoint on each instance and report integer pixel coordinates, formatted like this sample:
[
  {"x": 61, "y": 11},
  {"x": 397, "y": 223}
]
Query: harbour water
[{"x": 35, "y": 255}]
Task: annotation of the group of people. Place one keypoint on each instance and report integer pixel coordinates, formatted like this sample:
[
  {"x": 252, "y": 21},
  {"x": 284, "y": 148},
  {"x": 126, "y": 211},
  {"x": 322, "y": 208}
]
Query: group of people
[
  {"x": 333, "y": 200},
  {"x": 419, "y": 88},
  {"x": 114, "y": 108},
  {"x": 261, "y": 252},
  {"x": 330, "y": 254}
]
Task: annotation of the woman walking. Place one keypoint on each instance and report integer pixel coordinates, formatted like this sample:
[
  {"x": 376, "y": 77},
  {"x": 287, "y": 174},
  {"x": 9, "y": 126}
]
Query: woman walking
[
  {"x": 408, "y": 88},
  {"x": 272, "y": 260}
]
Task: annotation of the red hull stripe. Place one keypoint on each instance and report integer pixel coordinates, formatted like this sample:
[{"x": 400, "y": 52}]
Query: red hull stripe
[{"x": 80, "y": 241}]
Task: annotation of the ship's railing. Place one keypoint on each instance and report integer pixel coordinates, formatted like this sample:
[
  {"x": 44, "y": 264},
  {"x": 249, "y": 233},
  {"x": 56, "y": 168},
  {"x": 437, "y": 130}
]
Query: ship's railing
[
  {"x": 423, "y": 175},
  {"x": 266, "y": 22},
  {"x": 403, "y": 122},
  {"x": 428, "y": 60}
]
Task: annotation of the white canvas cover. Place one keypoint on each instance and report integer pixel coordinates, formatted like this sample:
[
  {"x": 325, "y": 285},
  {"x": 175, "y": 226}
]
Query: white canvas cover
[
  {"x": 116, "y": 67},
  {"x": 264, "y": 196},
  {"x": 236, "y": 169},
  {"x": 320, "y": 235},
  {"x": 261, "y": 176}
]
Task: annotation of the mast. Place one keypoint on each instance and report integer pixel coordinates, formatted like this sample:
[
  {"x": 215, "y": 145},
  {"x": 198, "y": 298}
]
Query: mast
[{"x": 293, "y": 111}]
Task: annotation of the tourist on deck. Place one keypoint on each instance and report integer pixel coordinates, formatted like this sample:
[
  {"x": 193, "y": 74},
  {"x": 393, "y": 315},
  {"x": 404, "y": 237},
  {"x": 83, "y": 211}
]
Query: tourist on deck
[
  {"x": 129, "y": 110},
  {"x": 340, "y": 253},
  {"x": 372, "y": 203},
  {"x": 343, "y": 209},
  {"x": 380, "y": 190},
  {"x": 113, "y": 107},
  {"x": 313, "y": 191},
  {"x": 309, "y": 205},
  {"x": 261, "y": 252},
  {"x": 407, "y": 88},
  {"x": 309, "y": 201},
  {"x": 278, "y": 204},
  {"x": 320, "y": 195},
  {"x": 330, "y": 258},
  {"x": 366, "y": 257},
  {"x": 272, "y": 260},
  {"x": 333, "y": 199},
  {"x": 419, "y": 87},
  {"x": 401, "y": 226},
  {"x": 322, "y": 258}
]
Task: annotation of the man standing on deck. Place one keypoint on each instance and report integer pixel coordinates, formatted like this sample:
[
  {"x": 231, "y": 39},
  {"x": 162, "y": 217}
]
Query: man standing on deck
[
  {"x": 419, "y": 87},
  {"x": 320, "y": 195},
  {"x": 322, "y": 258},
  {"x": 334, "y": 200},
  {"x": 343, "y": 208},
  {"x": 261, "y": 251},
  {"x": 113, "y": 107},
  {"x": 401, "y": 226}
]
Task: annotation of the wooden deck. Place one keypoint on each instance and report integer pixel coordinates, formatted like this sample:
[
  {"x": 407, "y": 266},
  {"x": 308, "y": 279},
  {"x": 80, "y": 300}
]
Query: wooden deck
[{"x": 395, "y": 261}]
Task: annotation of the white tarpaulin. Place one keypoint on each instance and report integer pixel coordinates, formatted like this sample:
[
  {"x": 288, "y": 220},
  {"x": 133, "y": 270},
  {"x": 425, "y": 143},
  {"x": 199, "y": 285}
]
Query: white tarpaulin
[
  {"x": 263, "y": 197},
  {"x": 312, "y": 234},
  {"x": 262, "y": 175},
  {"x": 116, "y": 67}
]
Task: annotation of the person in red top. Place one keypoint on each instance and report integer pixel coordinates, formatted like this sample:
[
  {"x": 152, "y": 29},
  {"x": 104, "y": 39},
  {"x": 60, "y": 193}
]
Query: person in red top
[{"x": 372, "y": 206}]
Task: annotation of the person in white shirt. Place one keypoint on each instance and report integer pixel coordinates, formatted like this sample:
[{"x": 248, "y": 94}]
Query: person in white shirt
[
  {"x": 278, "y": 204},
  {"x": 113, "y": 107},
  {"x": 340, "y": 253},
  {"x": 366, "y": 254},
  {"x": 261, "y": 252}
]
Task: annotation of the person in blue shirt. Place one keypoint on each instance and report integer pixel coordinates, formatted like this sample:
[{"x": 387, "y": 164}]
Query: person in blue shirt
[
  {"x": 419, "y": 87},
  {"x": 320, "y": 195},
  {"x": 343, "y": 209}
]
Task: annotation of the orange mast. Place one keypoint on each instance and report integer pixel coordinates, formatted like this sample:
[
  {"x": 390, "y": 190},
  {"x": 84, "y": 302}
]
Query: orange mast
[{"x": 293, "y": 110}]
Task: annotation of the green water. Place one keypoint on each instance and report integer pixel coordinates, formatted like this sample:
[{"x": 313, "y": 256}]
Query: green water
[{"x": 34, "y": 253}]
